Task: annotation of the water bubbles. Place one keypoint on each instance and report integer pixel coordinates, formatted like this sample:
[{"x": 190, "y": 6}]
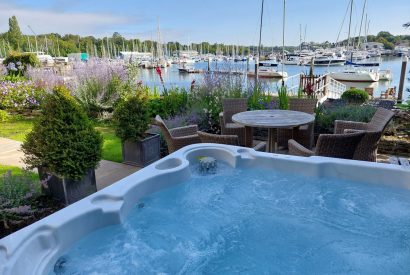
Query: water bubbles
[
  {"x": 207, "y": 165},
  {"x": 60, "y": 265}
]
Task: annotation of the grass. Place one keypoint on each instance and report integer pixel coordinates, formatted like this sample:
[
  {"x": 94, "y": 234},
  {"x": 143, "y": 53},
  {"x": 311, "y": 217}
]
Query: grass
[
  {"x": 17, "y": 129},
  {"x": 17, "y": 172},
  {"x": 112, "y": 144}
]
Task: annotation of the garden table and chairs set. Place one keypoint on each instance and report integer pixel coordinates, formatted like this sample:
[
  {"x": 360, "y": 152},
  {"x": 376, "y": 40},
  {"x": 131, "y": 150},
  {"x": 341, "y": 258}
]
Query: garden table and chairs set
[{"x": 291, "y": 129}]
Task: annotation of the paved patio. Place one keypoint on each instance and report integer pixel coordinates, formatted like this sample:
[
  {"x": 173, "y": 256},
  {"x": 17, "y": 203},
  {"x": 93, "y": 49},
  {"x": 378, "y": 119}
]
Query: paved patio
[{"x": 106, "y": 174}]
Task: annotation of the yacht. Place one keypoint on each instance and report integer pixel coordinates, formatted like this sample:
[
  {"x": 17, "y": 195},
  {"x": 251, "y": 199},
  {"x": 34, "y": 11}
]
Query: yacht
[
  {"x": 186, "y": 60},
  {"x": 356, "y": 75},
  {"x": 291, "y": 59},
  {"x": 329, "y": 60},
  {"x": 268, "y": 69}
]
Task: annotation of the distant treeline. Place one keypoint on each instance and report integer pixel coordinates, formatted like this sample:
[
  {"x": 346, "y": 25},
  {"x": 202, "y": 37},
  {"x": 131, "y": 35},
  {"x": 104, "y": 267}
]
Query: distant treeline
[{"x": 58, "y": 45}]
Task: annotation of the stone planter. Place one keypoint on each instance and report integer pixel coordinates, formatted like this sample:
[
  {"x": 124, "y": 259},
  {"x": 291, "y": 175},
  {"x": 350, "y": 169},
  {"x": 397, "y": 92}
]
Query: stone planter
[
  {"x": 66, "y": 190},
  {"x": 143, "y": 152}
]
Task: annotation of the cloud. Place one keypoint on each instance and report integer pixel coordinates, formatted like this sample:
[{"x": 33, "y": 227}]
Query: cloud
[{"x": 54, "y": 21}]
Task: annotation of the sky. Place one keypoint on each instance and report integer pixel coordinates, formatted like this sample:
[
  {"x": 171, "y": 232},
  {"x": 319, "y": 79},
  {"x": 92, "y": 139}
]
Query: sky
[{"x": 215, "y": 21}]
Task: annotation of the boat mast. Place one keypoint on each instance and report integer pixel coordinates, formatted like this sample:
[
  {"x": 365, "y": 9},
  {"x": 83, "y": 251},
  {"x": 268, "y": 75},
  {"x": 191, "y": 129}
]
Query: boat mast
[
  {"x": 350, "y": 24},
  {"x": 260, "y": 32},
  {"x": 259, "y": 46},
  {"x": 300, "y": 38},
  {"x": 159, "y": 46},
  {"x": 35, "y": 37},
  {"x": 361, "y": 23},
  {"x": 283, "y": 39}
]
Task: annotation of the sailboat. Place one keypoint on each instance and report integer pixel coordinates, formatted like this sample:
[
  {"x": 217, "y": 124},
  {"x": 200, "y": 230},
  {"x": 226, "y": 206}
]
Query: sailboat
[
  {"x": 355, "y": 74},
  {"x": 268, "y": 68}
]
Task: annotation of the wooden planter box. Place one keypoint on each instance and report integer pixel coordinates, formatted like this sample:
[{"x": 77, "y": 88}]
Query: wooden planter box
[
  {"x": 143, "y": 152},
  {"x": 66, "y": 190}
]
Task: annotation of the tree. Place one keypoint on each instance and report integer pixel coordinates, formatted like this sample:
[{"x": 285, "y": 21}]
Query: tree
[{"x": 14, "y": 34}]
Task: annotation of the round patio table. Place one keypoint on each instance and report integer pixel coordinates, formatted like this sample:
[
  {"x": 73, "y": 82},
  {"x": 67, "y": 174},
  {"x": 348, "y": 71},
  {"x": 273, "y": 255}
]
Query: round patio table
[{"x": 272, "y": 120}]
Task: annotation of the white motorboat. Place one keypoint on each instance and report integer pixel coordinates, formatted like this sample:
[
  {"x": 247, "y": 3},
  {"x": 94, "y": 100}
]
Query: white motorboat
[
  {"x": 186, "y": 60},
  {"x": 329, "y": 60},
  {"x": 356, "y": 75},
  {"x": 291, "y": 60},
  {"x": 268, "y": 69}
]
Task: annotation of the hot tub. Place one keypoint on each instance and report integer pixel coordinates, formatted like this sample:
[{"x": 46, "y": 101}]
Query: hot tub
[{"x": 256, "y": 213}]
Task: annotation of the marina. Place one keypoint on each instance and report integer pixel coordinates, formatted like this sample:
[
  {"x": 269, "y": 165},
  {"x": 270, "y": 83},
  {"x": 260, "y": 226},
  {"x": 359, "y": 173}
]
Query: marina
[{"x": 174, "y": 78}]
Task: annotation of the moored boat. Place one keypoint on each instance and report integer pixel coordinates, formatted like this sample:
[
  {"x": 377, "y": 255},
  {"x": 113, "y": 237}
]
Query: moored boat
[
  {"x": 356, "y": 75},
  {"x": 268, "y": 69}
]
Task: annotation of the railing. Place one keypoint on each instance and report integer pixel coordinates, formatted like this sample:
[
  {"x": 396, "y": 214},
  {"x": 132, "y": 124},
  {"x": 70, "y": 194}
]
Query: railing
[
  {"x": 335, "y": 88},
  {"x": 324, "y": 86},
  {"x": 293, "y": 84}
]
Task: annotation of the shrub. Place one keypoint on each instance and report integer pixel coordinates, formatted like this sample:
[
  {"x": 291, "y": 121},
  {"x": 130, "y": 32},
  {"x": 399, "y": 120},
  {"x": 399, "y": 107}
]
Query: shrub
[
  {"x": 14, "y": 78},
  {"x": 404, "y": 106},
  {"x": 97, "y": 85},
  {"x": 325, "y": 117},
  {"x": 205, "y": 100},
  {"x": 3, "y": 116},
  {"x": 172, "y": 102},
  {"x": 15, "y": 189},
  {"x": 131, "y": 117},
  {"x": 20, "y": 96},
  {"x": 283, "y": 98},
  {"x": 259, "y": 100},
  {"x": 17, "y": 62},
  {"x": 355, "y": 96},
  {"x": 63, "y": 139}
]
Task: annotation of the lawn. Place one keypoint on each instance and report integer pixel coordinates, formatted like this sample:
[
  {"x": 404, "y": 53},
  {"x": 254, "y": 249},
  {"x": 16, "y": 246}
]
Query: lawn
[
  {"x": 18, "y": 129},
  {"x": 18, "y": 172},
  {"x": 112, "y": 144}
]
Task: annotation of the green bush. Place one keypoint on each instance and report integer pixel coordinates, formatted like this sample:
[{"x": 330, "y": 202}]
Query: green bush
[
  {"x": 17, "y": 62},
  {"x": 259, "y": 100},
  {"x": 4, "y": 116},
  {"x": 63, "y": 139},
  {"x": 355, "y": 96},
  {"x": 171, "y": 103},
  {"x": 131, "y": 117},
  {"x": 14, "y": 78},
  {"x": 283, "y": 98},
  {"x": 404, "y": 106},
  {"x": 325, "y": 117}
]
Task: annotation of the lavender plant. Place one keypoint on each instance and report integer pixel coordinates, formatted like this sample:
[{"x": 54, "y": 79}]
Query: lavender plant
[
  {"x": 98, "y": 84},
  {"x": 206, "y": 98},
  {"x": 15, "y": 191},
  {"x": 45, "y": 78}
]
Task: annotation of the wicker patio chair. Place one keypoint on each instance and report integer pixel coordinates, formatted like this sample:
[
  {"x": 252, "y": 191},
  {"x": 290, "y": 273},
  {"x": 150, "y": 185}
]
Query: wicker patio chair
[
  {"x": 233, "y": 106},
  {"x": 226, "y": 139},
  {"x": 369, "y": 91},
  {"x": 178, "y": 137},
  {"x": 305, "y": 134},
  {"x": 367, "y": 149},
  {"x": 330, "y": 145}
]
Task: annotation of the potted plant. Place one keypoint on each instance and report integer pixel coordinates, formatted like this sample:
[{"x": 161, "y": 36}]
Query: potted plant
[
  {"x": 131, "y": 118},
  {"x": 65, "y": 148}
]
